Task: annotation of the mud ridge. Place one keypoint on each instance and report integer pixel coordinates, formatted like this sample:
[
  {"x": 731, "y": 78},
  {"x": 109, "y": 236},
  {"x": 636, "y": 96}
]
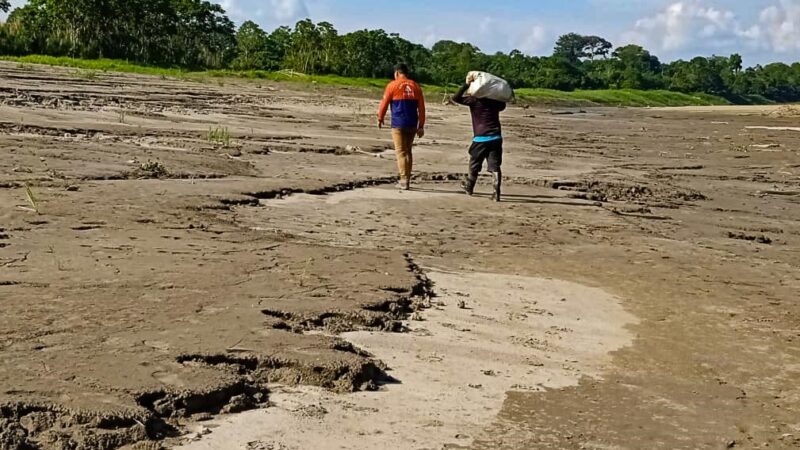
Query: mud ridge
[
  {"x": 339, "y": 187},
  {"x": 32, "y": 426},
  {"x": 385, "y": 316},
  {"x": 88, "y": 133},
  {"x": 661, "y": 195},
  {"x": 160, "y": 413},
  {"x": 423, "y": 290},
  {"x": 382, "y": 317},
  {"x": 359, "y": 373},
  {"x": 237, "y": 396},
  {"x": 50, "y": 427}
]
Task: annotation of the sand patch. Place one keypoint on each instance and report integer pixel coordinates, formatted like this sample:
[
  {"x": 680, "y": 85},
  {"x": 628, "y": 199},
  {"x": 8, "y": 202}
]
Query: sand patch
[
  {"x": 364, "y": 194},
  {"x": 487, "y": 334},
  {"x": 773, "y": 128}
]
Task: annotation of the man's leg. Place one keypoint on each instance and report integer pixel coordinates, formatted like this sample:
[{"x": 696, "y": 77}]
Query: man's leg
[
  {"x": 476, "y": 158},
  {"x": 495, "y": 162},
  {"x": 409, "y": 155},
  {"x": 400, "y": 152}
]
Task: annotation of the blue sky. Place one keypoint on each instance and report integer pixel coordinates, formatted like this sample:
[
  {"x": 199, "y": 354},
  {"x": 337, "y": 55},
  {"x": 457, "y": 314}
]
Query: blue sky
[{"x": 761, "y": 30}]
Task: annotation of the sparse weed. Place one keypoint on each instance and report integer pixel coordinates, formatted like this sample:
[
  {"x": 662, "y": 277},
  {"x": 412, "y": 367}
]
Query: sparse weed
[
  {"x": 32, "y": 200},
  {"x": 153, "y": 169},
  {"x": 87, "y": 74},
  {"x": 219, "y": 136}
]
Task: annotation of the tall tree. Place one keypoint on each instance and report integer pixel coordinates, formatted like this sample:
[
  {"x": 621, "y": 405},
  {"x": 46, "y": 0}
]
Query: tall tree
[
  {"x": 416, "y": 56},
  {"x": 368, "y": 53},
  {"x": 452, "y": 61},
  {"x": 303, "y": 54},
  {"x": 638, "y": 69},
  {"x": 205, "y": 36},
  {"x": 329, "y": 53},
  {"x": 571, "y": 46},
  {"x": 575, "y": 46},
  {"x": 595, "y": 46},
  {"x": 278, "y": 44},
  {"x": 252, "y": 47}
]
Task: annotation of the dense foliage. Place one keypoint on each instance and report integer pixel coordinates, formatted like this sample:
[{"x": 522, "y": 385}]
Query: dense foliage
[{"x": 197, "y": 34}]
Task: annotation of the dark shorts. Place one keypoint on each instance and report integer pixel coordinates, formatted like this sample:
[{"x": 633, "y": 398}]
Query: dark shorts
[{"x": 491, "y": 152}]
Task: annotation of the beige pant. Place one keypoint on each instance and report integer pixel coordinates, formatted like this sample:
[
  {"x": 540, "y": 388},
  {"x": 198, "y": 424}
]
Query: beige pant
[{"x": 403, "y": 142}]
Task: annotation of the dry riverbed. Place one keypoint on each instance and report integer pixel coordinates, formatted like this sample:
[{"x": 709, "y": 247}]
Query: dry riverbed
[{"x": 228, "y": 266}]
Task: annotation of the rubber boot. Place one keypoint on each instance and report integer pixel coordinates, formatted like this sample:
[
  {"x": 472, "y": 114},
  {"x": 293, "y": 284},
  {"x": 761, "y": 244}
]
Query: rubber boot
[
  {"x": 469, "y": 183},
  {"x": 498, "y": 183}
]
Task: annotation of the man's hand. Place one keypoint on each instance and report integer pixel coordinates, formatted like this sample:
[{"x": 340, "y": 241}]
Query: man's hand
[
  {"x": 380, "y": 124},
  {"x": 421, "y": 133}
]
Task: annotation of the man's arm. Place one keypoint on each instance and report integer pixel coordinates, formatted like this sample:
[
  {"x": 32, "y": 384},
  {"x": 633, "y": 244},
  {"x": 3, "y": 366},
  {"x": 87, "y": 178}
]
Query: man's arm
[
  {"x": 421, "y": 108},
  {"x": 387, "y": 99},
  {"x": 461, "y": 99}
]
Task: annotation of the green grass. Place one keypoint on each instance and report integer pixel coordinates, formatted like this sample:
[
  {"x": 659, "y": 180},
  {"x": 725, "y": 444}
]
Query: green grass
[
  {"x": 100, "y": 65},
  {"x": 325, "y": 80},
  {"x": 618, "y": 97},
  {"x": 219, "y": 136},
  {"x": 612, "y": 97}
]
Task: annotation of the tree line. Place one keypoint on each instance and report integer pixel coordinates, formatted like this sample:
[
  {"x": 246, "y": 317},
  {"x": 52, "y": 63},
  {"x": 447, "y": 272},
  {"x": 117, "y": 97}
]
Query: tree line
[{"x": 197, "y": 34}]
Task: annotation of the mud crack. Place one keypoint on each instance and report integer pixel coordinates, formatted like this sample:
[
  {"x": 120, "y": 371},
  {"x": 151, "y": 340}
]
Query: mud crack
[
  {"x": 385, "y": 316},
  {"x": 339, "y": 187}
]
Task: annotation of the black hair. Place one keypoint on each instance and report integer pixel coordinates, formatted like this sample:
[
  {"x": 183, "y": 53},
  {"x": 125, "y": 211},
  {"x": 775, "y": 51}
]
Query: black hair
[{"x": 402, "y": 68}]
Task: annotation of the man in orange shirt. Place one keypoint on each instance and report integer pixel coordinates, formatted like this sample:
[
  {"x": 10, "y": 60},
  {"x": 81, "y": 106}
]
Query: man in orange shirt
[{"x": 408, "y": 119}]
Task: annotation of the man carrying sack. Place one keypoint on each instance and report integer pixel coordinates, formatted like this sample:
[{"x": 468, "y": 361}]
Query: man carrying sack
[
  {"x": 408, "y": 119},
  {"x": 486, "y": 96}
]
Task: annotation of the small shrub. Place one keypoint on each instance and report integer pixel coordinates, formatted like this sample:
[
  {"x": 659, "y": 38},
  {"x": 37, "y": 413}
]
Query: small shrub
[{"x": 152, "y": 169}]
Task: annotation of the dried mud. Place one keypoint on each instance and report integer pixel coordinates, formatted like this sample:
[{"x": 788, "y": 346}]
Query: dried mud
[{"x": 159, "y": 276}]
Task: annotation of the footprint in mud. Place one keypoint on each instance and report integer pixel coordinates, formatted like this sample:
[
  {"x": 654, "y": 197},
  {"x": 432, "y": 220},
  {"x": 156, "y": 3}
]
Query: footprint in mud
[
  {"x": 167, "y": 378},
  {"x": 311, "y": 411},
  {"x": 157, "y": 345},
  {"x": 533, "y": 343},
  {"x": 261, "y": 445}
]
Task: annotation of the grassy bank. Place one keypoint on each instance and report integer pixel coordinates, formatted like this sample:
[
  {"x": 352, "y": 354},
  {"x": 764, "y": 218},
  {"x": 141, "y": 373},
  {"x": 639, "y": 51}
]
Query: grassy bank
[
  {"x": 617, "y": 97},
  {"x": 102, "y": 65}
]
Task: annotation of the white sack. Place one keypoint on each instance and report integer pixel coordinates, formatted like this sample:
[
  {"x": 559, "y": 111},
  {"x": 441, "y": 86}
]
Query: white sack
[{"x": 487, "y": 85}]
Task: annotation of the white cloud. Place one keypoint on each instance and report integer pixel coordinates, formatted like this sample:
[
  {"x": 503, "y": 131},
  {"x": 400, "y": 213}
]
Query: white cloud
[
  {"x": 288, "y": 10},
  {"x": 232, "y": 8},
  {"x": 495, "y": 34},
  {"x": 779, "y": 27},
  {"x": 275, "y": 12},
  {"x": 685, "y": 24},
  {"x": 536, "y": 42},
  {"x": 693, "y": 25}
]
